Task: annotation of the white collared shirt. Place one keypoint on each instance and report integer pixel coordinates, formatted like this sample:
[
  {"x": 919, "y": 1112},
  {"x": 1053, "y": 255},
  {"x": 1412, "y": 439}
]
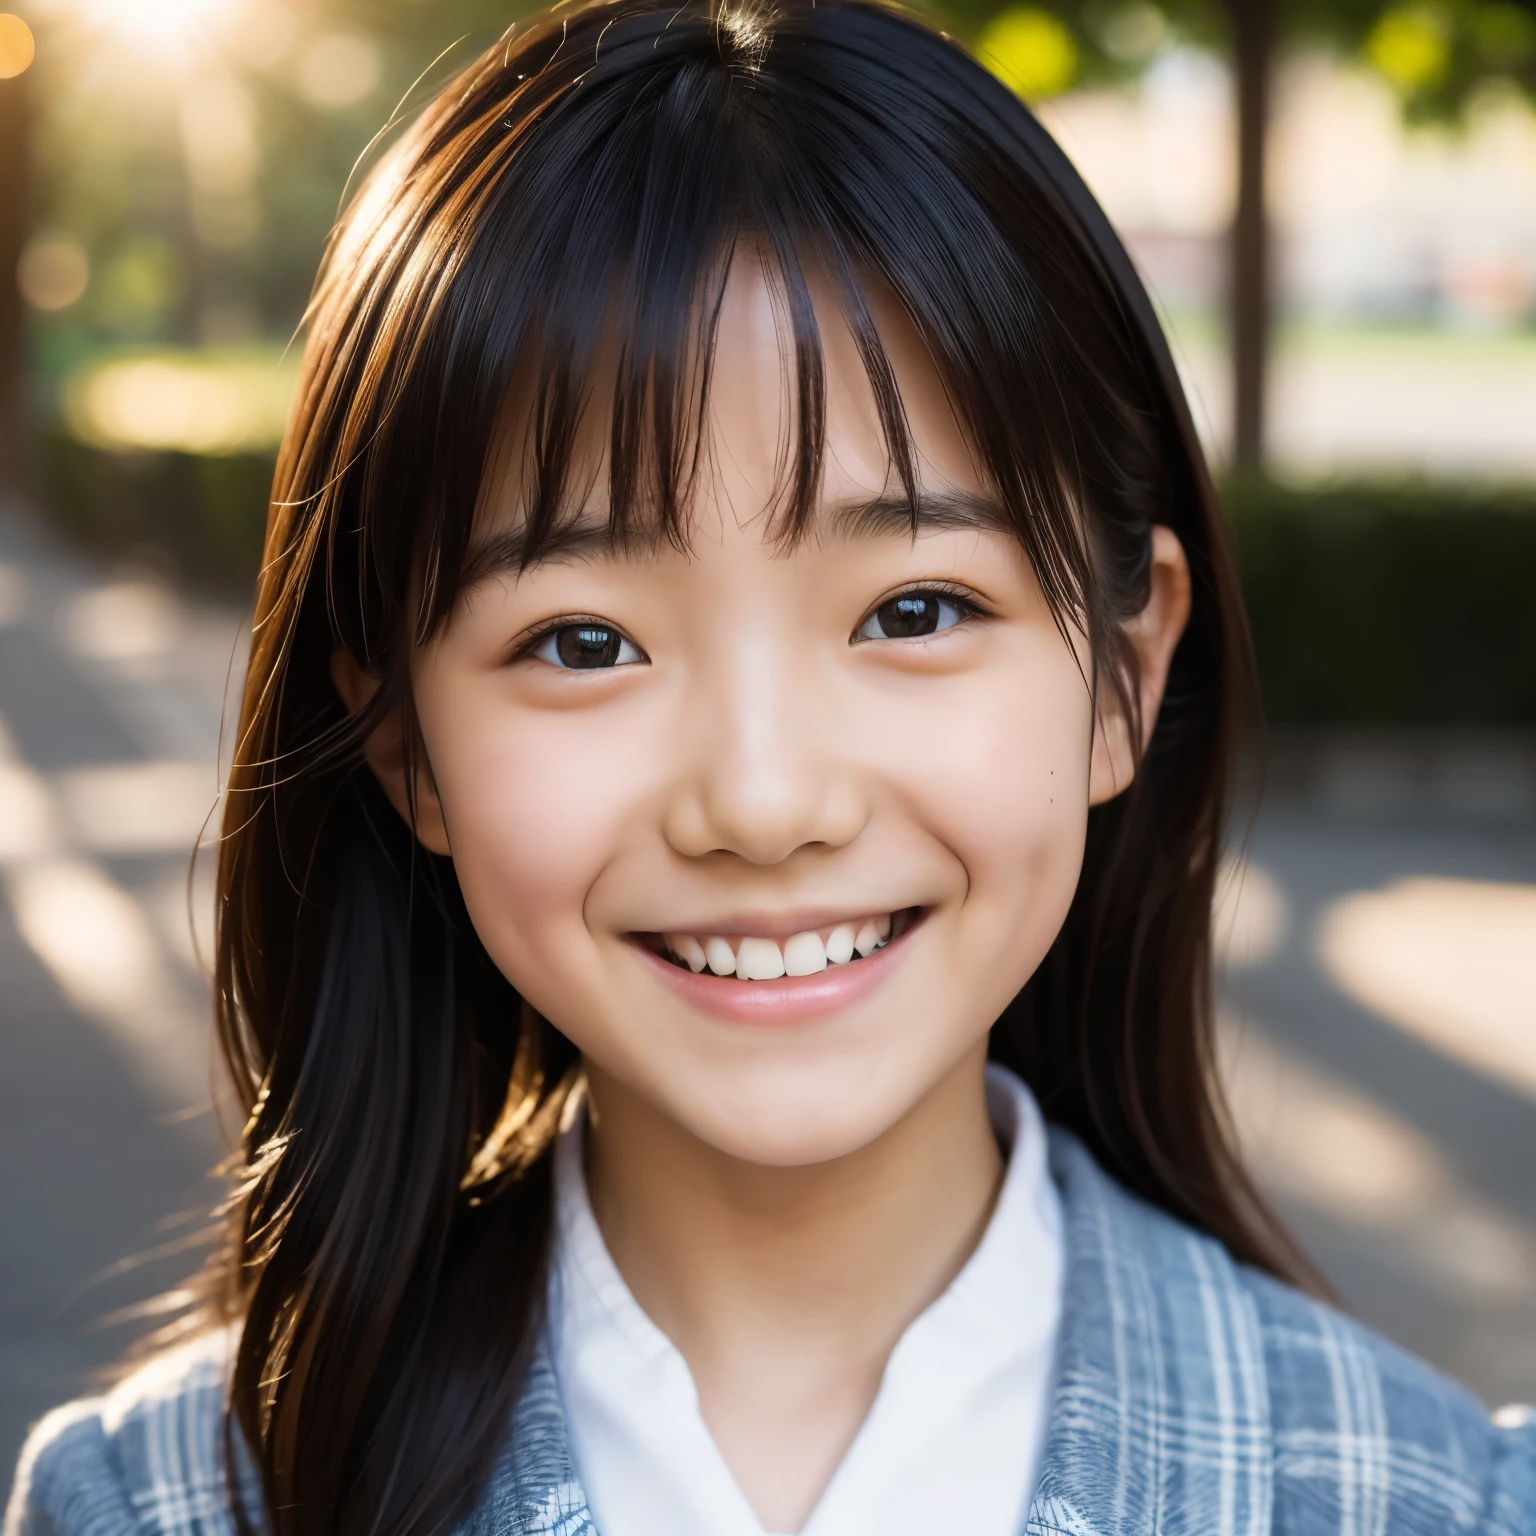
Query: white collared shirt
[{"x": 956, "y": 1434}]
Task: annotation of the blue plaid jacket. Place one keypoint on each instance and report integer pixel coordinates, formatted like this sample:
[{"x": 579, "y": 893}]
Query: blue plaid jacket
[{"x": 1196, "y": 1398}]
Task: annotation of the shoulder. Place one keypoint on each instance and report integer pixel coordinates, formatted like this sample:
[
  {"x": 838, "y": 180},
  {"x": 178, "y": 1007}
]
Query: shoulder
[
  {"x": 1319, "y": 1424},
  {"x": 146, "y": 1457},
  {"x": 1360, "y": 1423}
]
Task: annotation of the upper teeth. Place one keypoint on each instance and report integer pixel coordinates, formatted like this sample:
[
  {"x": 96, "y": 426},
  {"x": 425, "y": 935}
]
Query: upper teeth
[{"x": 802, "y": 954}]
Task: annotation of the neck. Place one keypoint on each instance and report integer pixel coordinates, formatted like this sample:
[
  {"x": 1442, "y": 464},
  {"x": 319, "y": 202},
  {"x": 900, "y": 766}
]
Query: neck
[{"x": 785, "y": 1289}]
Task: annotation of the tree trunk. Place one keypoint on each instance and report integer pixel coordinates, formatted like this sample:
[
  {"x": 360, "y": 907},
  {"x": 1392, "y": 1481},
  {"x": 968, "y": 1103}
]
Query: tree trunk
[
  {"x": 14, "y": 159},
  {"x": 1253, "y": 46}
]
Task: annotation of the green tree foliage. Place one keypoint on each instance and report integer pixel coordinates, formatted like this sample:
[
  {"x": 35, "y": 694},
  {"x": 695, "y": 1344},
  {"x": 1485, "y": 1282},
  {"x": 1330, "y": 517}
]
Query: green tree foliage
[
  {"x": 199, "y": 191},
  {"x": 1434, "y": 53},
  {"x": 199, "y": 175}
]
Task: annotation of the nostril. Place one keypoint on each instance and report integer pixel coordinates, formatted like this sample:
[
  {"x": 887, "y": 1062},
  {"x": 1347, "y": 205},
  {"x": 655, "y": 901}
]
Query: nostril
[{"x": 762, "y": 815}]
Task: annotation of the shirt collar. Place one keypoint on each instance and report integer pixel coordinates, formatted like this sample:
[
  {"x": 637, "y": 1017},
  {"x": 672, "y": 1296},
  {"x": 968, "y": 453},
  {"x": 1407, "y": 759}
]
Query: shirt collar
[
  {"x": 1024, "y": 1228},
  {"x": 1161, "y": 1410}
]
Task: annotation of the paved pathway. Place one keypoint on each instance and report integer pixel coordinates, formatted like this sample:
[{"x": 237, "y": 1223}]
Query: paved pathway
[
  {"x": 110, "y": 702},
  {"x": 1382, "y": 1034},
  {"x": 1402, "y": 1152}
]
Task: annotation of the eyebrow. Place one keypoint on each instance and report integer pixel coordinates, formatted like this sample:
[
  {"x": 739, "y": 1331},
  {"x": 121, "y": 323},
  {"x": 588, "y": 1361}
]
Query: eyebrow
[
  {"x": 879, "y": 517},
  {"x": 933, "y": 512},
  {"x": 507, "y": 549}
]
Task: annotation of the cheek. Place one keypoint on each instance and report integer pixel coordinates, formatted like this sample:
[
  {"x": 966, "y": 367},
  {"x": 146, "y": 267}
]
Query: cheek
[
  {"x": 535, "y": 811},
  {"x": 1026, "y": 790},
  {"x": 1006, "y": 792}
]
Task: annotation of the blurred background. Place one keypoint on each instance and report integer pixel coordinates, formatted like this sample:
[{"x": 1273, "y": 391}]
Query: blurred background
[{"x": 1334, "y": 204}]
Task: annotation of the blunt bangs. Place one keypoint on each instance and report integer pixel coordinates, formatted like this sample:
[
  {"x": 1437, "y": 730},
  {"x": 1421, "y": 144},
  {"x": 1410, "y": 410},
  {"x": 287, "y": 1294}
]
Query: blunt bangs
[{"x": 588, "y": 193}]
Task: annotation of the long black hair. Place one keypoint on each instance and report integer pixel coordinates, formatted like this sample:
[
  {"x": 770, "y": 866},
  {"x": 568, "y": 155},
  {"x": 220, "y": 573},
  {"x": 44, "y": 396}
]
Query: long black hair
[{"x": 565, "y": 212}]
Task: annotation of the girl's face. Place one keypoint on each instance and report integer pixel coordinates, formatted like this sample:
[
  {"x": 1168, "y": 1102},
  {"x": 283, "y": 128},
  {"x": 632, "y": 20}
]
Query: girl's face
[{"x": 652, "y": 766}]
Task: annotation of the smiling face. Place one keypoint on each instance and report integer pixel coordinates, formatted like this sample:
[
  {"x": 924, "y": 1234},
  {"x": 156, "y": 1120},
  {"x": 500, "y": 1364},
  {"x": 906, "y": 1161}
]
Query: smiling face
[{"x": 866, "y": 760}]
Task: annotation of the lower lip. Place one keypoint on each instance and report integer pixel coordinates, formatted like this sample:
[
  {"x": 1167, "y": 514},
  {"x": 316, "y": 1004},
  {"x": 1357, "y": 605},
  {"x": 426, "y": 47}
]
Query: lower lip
[{"x": 790, "y": 999}]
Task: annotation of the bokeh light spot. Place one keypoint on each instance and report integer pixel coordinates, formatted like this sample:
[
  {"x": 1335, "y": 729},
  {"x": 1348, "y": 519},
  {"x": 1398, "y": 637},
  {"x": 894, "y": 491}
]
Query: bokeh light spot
[
  {"x": 1031, "y": 52},
  {"x": 1134, "y": 33},
  {"x": 17, "y": 48},
  {"x": 189, "y": 402},
  {"x": 53, "y": 272},
  {"x": 1409, "y": 47},
  {"x": 340, "y": 70},
  {"x": 163, "y": 32},
  {"x": 265, "y": 36}
]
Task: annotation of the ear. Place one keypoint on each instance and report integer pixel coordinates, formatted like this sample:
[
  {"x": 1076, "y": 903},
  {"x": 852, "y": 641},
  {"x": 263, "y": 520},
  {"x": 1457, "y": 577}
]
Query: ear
[
  {"x": 384, "y": 752},
  {"x": 1153, "y": 635}
]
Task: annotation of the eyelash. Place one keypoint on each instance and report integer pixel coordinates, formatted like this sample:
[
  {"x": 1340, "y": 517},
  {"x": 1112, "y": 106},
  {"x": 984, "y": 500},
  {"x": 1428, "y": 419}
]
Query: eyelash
[
  {"x": 963, "y": 599},
  {"x": 524, "y": 648}
]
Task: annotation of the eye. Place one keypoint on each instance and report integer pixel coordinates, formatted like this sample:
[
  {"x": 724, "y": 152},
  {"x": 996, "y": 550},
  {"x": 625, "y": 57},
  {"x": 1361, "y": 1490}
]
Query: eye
[
  {"x": 911, "y": 615},
  {"x": 585, "y": 647}
]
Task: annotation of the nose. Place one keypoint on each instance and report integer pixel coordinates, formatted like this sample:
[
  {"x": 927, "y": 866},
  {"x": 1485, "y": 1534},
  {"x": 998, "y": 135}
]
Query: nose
[{"x": 769, "y": 771}]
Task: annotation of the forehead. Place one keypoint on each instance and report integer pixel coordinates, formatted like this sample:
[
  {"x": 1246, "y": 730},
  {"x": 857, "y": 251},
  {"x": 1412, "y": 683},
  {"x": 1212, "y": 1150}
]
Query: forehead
[{"x": 750, "y": 438}]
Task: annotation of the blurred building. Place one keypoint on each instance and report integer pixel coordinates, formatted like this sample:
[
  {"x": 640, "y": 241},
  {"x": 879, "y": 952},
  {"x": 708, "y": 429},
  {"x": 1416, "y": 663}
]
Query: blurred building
[{"x": 1406, "y": 259}]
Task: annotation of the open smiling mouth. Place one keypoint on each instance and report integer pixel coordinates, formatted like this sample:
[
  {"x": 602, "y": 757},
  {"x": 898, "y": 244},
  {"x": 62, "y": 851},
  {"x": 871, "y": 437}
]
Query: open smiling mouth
[{"x": 749, "y": 958}]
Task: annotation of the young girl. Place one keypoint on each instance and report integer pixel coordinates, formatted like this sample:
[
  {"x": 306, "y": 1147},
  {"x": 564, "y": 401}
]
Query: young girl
[{"x": 715, "y": 894}]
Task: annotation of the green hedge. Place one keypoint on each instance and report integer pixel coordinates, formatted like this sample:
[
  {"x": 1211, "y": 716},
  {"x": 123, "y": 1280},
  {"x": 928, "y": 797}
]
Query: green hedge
[
  {"x": 1390, "y": 604},
  {"x": 204, "y": 517},
  {"x": 1372, "y": 603}
]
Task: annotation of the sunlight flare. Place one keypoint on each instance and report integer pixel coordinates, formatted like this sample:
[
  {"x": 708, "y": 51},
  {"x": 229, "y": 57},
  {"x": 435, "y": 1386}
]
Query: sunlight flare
[{"x": 169, "y": 32}]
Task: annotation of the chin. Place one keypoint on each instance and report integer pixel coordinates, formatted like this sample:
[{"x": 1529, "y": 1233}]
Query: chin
[{"x": 793, "y": 1124}]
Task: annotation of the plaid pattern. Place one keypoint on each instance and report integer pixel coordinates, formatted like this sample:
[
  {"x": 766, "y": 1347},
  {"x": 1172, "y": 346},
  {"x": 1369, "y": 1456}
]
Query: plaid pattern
[{"x": 1196, "y": 1398}]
